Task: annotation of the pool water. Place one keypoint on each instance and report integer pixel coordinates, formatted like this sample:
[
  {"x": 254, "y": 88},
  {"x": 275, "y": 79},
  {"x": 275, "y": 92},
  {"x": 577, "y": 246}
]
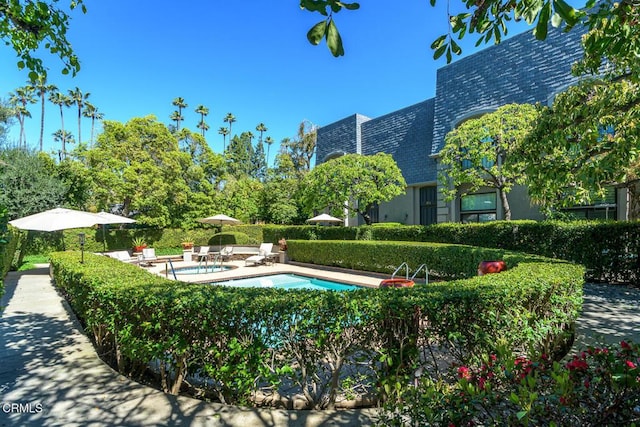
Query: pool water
[
  {"x": 288, "y": 281},
  {"x": 201, "y": 270}
]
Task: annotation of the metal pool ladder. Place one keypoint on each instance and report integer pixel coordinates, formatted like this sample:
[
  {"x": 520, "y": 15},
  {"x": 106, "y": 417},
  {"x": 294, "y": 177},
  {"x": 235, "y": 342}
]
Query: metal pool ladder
[{"x": 415, "y": 273}]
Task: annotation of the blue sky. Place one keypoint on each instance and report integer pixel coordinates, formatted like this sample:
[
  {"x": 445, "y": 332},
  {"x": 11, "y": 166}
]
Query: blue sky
[{"x": 250, "y": 58}]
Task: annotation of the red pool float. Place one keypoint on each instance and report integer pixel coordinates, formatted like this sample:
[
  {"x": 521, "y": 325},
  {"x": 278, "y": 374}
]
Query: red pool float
[
  {"x": 397, "y": 283},
  {"x": 489, "y": 267}
]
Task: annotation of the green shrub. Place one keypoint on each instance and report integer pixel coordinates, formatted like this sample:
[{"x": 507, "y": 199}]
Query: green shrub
[
  {"x": 597, "y": 387},
  {"x": 230, "y": 238},
  {"x": 246, "y": 340},
  {"x": 254, "y": 232}
]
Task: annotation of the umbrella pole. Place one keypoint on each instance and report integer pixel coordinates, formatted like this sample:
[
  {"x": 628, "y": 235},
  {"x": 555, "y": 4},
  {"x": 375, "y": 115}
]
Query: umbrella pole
[{"x": 104, "y": 238}]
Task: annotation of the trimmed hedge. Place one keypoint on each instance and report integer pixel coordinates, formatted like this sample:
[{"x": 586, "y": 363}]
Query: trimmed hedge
[
  {"x": 609, "y": 250},
  {"x": 245, "y": 341},
  {"x": 443, "y": 260}
]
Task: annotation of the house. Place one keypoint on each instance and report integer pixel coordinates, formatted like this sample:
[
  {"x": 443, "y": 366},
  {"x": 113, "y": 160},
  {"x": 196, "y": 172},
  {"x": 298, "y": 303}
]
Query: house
[{"x": 519, "y": 70}]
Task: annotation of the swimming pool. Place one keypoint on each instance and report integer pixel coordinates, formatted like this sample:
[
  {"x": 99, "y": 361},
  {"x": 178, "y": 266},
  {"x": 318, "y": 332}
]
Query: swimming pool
[
  {"x": 288, "y": 281},
  {"x": 202, "y": 270}
]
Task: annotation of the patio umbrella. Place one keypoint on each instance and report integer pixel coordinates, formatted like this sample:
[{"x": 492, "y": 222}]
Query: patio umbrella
[
  {"x": 55, "y": 220},
  {"x": 109, "y": 218},
  {"x": 220, "y": 220},
  {"x": 324, "y": 218}
]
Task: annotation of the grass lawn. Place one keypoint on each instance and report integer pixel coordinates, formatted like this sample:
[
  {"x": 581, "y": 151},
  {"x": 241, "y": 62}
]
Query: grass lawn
[{"x": 29, "y": 261}]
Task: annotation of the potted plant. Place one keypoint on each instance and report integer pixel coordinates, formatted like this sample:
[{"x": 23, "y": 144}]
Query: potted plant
[
  {"x": 187, "y": 245},
  {"x": 139, "y": 244}
]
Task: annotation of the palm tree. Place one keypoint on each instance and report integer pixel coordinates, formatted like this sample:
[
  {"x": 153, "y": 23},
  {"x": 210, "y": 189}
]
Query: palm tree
[
  {"x": 79, "y": 99},
  {"x": 250, "y": 135},
  {"x": 203, "y": 111},
  {"x": 261, "y": 128},
  {"x": 41, "y": 88},
  {"x": 179, "y": 102},
  {"x": 19, "y": 100},
  {"x": 176, "y": 117},
  {"x": 224, "y": 132},
  {"x": 229, "y": 118},
  {"x": 90, "y": 111},
  {"x": 203, "y": 126},
  {"x": 63, "y": 137},
  {"x": 61, "y": 100},
  {"x": 269, "y": 141}
]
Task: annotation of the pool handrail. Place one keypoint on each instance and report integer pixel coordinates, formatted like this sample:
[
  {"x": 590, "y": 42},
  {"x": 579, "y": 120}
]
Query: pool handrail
[
  {"x": 406, "y": 266},
  {"x": 426, "y": 273},
  {"x": 172, "y": 269}
]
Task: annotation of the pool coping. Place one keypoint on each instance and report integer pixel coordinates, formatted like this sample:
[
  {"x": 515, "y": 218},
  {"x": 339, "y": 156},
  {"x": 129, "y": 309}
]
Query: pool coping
[{"x": 241, "y": 271}]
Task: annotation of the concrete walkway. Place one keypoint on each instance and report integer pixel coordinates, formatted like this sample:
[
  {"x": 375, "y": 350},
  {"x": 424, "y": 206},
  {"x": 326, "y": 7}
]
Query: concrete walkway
[{"x": 50, "y": 374}]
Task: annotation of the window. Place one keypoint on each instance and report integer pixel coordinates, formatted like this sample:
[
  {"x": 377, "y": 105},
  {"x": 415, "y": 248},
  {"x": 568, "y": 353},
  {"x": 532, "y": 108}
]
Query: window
[
  {"x": 478, "y": 207},
  {"x": 428, "y": 205},
  {"x": 485, "y": 163},
  {"x": 604, "y": 208}
]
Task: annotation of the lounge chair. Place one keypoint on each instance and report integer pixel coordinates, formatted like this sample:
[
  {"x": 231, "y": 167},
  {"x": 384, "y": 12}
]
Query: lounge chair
[
  {"x": 123, "y": 256},
  {"x": 226, "y": 252},
  {"x": 149, "y": 254},
  {"x": 264, "y": 252},
  {"x": 203, "y": 255}
]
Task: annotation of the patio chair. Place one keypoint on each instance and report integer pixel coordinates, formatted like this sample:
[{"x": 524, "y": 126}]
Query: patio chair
[
  {"x": 203, "y": 255},
  {"x": 263, "y": 253},
  {"x": 123, "y": 256},
  {"x": 226, "y": 252},
  {"x": 149, "y": 254}
]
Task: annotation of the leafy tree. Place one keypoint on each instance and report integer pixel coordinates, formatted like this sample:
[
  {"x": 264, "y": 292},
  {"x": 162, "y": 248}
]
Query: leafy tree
[
  {"x": 6, "y": 118},
  {"x": 28, "y": 186},
  {"x": 612, "y": 24},
  {"x": 587, "y": 140},
  {"x": 139, "y": 166},
  {"x": 210, "y": 166},
  {"x": 355, "y": 182},
  {"x": 241, "y": 197},
  {"x": 79, "y": 98},
  {"x": 28, "y": 26},
  {"x": 281, "y": 201},
  {"x": 614, "y": 39},
  {"x": 480, "y": 153},
  {"x": 239, "y": 155},
  {"x": 259, "y": 163},
  {"x": 41, "y": 88},
  {"x": 302, "y": 148}
]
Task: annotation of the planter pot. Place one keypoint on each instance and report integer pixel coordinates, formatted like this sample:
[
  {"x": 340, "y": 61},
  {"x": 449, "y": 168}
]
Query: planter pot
[
  {"x": 397, "y": 283},
  {"x": 490, "y": 267}
]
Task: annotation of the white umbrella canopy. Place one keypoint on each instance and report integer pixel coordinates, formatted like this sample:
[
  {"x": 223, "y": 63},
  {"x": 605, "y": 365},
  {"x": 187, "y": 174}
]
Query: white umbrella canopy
[
  {"x": 324, "y": 218},
  {"x": 56, "y": 219},
  {"x": 109, "y": 218},
  {"x": 220, "y": 219}
]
